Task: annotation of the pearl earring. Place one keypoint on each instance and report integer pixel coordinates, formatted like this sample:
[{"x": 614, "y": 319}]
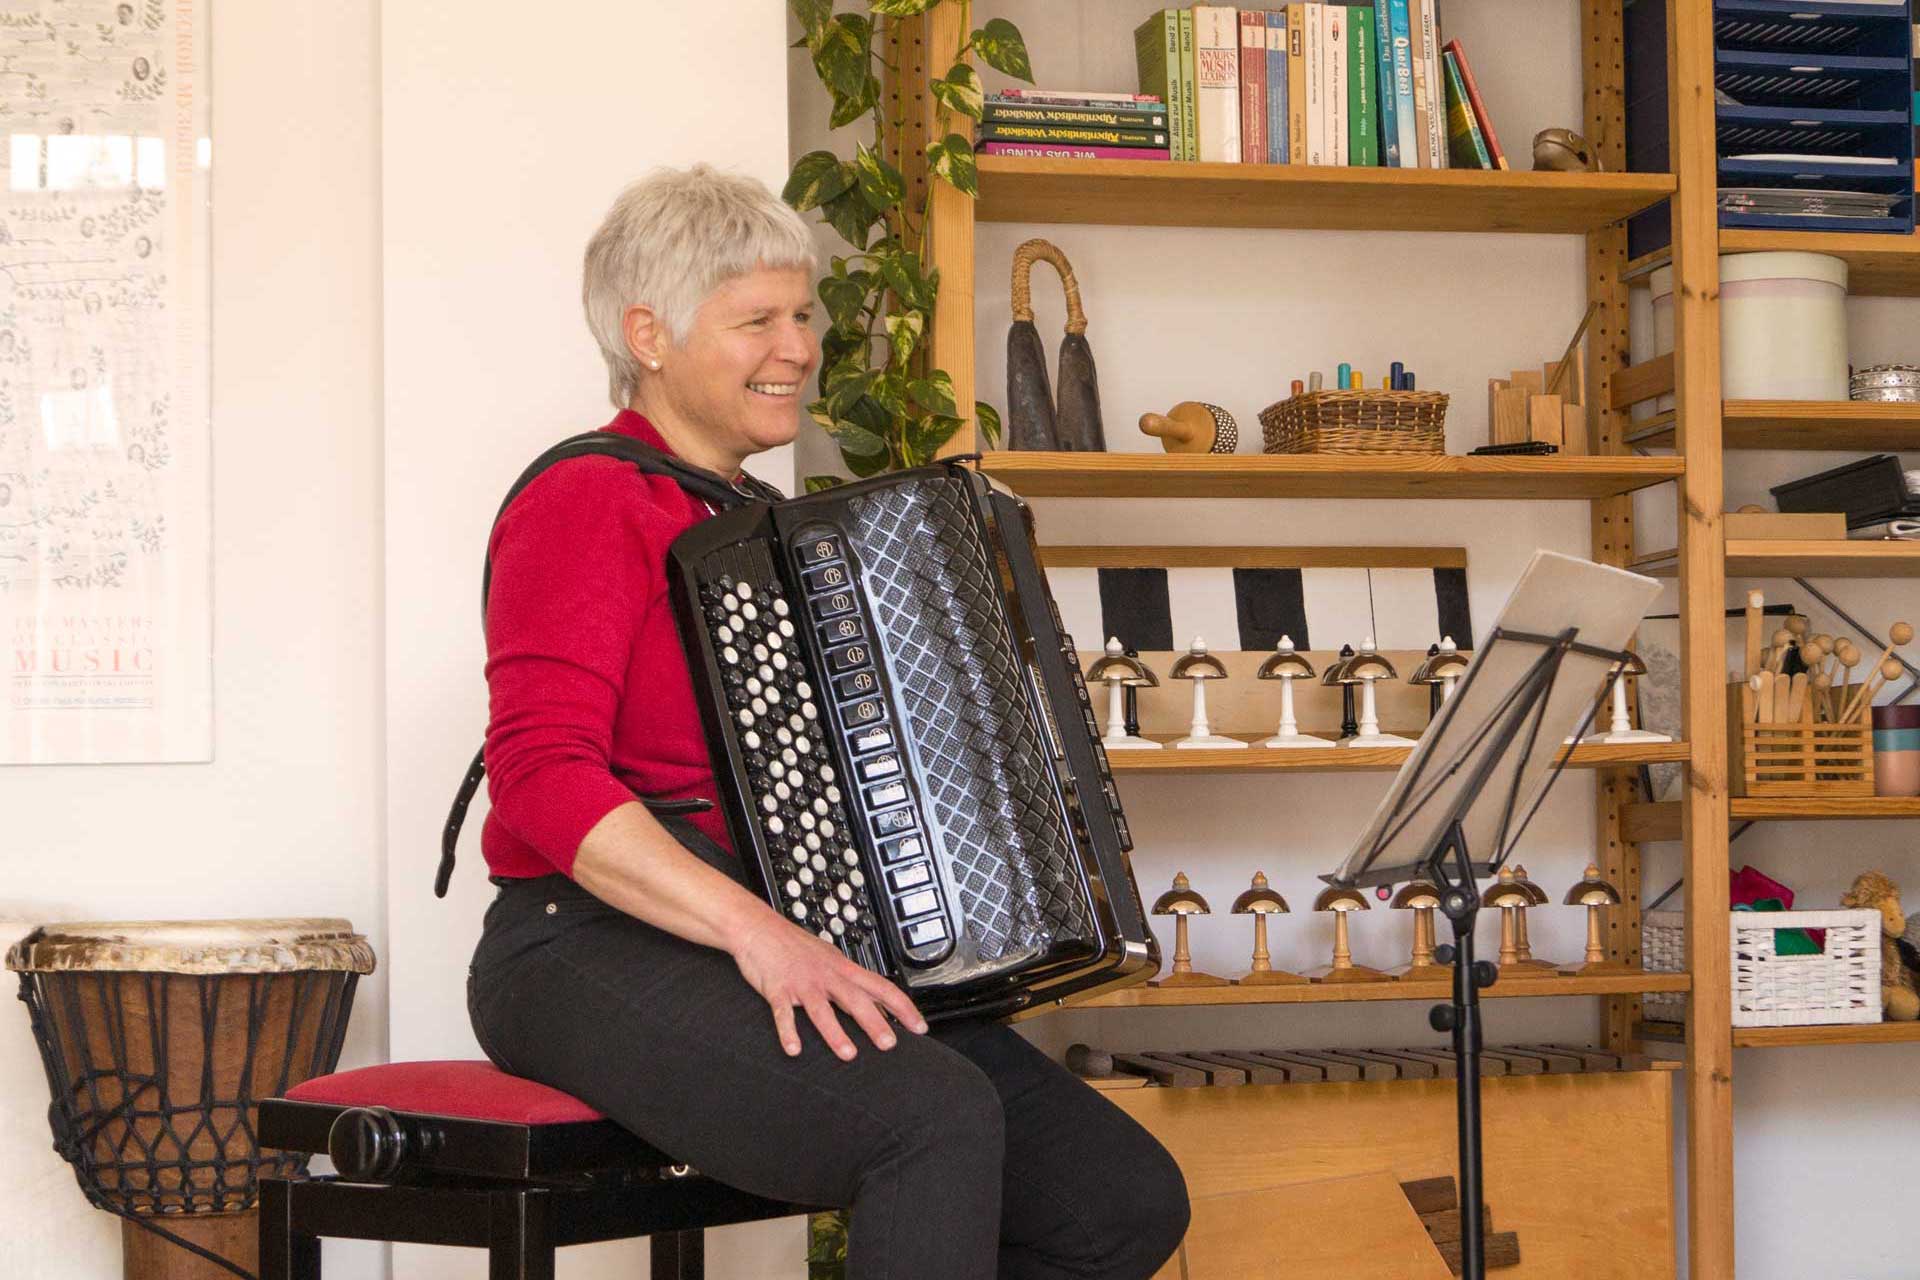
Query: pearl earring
[{"x": 653, "y": 364}]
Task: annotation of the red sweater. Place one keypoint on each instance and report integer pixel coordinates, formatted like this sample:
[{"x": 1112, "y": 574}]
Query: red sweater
[{"x": 591, "y": 700}]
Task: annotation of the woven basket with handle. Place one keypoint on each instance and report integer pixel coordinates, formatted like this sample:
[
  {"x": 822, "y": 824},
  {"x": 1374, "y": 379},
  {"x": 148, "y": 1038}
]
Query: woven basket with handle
[{"x": 1357, "y": 422}]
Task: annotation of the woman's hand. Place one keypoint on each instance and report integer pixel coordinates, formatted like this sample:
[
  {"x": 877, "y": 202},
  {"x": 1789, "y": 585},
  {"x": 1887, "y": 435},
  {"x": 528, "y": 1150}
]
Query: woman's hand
[{"x": 789, "y": 966}]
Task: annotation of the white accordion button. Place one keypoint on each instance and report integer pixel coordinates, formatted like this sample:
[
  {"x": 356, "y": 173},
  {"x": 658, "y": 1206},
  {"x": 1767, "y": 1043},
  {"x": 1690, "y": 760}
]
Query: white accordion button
[
  {"x": 856, "y": 879},
  {"x": 747, "y": 611},
  {"x": 799, "y": 910},
  {"x": 779, "y": 661},
  {"x": 760, "y": 653},
  {"x": 745, "y": 592},
  {"x": 793, "y": 888},
  {"x": 780, "y": 606},
  {"x": 827, "y": 775},
  {"x": 826, "y": 827},
  {"x": 746, "y": 718},
  {"x": 731, "y": 654}
]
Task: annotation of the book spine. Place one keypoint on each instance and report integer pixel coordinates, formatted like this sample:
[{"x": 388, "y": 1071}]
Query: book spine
[
  {"x": 1074, "y": 151},
  {"x": 1296, "y": 83},
  {"x": 1065, "y": 133},
  {"x": 1085, "y": 117},
  {"x": 1253, "y": 86},
  {"x": 1314, "y": 67},
  {"x": 1363, "y": 124},
  {"x": 1422, "y": 98},
  {"x": 1082, "y": 97},
  {"x": 1189, "y": 100},
  {"x": 1478, "y": 105},
  {"x": 1465, "y": 147},
  {"x": 1156, "y": 52},
  {"x": 1404, "y": 115},
  {"x": 1277, "y": 144},
  {"x": 1386, "y": 101},
  {"x": 1335, "y": 49},
  {"x": 1216, "y": 65},
  {"x": 1436, "y": 87}
]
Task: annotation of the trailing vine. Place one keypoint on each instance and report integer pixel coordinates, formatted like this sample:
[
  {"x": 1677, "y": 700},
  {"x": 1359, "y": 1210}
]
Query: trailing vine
[{"x": 881, "y": 405}]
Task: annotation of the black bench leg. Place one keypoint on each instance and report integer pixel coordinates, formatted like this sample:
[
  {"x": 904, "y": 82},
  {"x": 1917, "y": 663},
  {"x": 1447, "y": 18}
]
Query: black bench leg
[
  {"x": 284, "y": 1253},
  {"x": 519, "y": 1241},
  {"x": 678, "y": 1255}
]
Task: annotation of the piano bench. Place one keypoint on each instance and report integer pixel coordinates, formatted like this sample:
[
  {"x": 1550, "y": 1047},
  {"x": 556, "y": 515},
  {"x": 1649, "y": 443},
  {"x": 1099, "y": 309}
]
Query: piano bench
[{"x": 461, "y": 1153}]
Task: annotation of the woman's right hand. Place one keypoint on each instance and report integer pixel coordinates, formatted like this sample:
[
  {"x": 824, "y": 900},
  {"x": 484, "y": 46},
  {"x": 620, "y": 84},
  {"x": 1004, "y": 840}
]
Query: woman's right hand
[{"x": 789, "y": 966}]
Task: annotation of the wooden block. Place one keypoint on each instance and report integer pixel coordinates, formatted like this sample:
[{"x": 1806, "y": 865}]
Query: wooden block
[
  {"x": 1554, "y": 1062},
  {"x": 1365, "y": 1068},
  {"x": 1115, "y": 1082},
  {"x": 1333, "y": 1229},
  {"x": 1163, "y": 1073},
  {"x": 1255, "y": 1071},
  {"x": 1432, "y": 1195},
  {"x": 1574, "y": 440},
  {"x": 1337, "y": 1070},
  {"x": 1507, "y": 415},
  {"x": 1412, "y": 1066},
  {"x": 1812, "y": 526},
  {"x": 1544, "y": 420},
  {"x": 1444, "y": 1224},
  {"x": 1529, "y": 380},
  {"x": 1216, "y": 1074},
  {"x": 1515, "y": 1063},
  {"x": 1503, "y": 1250},
  {"x": 1618, "y": 1061},
  {"x": 1444, "y": 1066}
]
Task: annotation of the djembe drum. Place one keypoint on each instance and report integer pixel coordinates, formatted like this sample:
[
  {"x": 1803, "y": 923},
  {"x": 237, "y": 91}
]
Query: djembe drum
[{"x": 159, "y": 1038}]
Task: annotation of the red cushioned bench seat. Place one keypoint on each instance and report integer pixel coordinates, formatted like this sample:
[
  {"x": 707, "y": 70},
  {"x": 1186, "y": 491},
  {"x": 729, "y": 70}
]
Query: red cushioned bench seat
[{"x": 461, "y": 1153}]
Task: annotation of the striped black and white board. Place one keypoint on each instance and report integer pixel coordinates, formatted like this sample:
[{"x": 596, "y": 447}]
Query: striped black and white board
[{"x": 1160, "y": 598}]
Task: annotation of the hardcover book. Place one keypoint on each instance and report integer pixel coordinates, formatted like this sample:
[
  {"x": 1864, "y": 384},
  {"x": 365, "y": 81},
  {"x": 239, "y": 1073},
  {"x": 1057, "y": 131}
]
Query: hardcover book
[
  {"x": 1406, "y": 117},
  {"x": 1076, "y": 97},
  {"x": 1253, "y": 86},
  {"x": 1277, "y": 142},
  {"x": 1465, "y": 147},
  {"x": 1422, "y": 95},
  {"x": 1313, "y": 67},
  {"x": 1297, "y": 83},
  {"x": 1154, "y": 117},
  {"x": 1334, "y": 48},
  {"x": 1156, "y": 52},
  {"x": 1189, "y": 97},
  {"x": 1386, "y": 100},
  {"x": 1436, "y": 86},
  {"x": 1363, "y": 117},
  {"x": 994, "y": 132},
  {"x": 1478, "y": 105},
  {"x": 1072, "y": 151},
  {"x": 1216, "y": 81}
]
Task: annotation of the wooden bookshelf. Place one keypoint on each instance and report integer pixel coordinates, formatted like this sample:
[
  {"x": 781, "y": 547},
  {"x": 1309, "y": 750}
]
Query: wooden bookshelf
[
  {"x": 1877, "y": 265},
  {"x": 1761, "y": 558},
  {"x": 1264, "y": 475},
  {"x": 1137, "y": 193},
  {"x": 1143, "y": 997},
  {"x": 1258, "y": 759},
  {"x": 1784, "y": 1037},
  {"x": 1661, "y": 820},
  {"x": 1803, "y": 425}
]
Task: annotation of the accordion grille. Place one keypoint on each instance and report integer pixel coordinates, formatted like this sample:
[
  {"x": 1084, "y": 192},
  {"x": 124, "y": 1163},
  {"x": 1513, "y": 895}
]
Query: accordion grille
[{"x": 932, "y": 589}]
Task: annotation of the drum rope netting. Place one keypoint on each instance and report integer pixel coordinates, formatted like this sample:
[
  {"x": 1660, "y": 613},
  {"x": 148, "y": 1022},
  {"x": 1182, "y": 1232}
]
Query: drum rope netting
[{"x": 154, "y": 1119}]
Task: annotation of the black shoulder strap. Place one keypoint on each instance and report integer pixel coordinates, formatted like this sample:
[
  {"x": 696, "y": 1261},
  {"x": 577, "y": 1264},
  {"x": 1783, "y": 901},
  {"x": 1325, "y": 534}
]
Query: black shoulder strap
[{"x": 706, "y": 485}]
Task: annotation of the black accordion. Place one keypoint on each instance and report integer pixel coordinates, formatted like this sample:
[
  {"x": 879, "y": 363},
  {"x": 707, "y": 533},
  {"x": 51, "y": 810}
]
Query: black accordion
[{"x": 907, "y": 756}]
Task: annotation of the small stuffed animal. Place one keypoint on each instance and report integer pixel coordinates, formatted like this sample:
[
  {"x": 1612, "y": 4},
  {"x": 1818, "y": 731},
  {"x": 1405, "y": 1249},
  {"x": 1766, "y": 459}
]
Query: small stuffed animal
[{"x": 1900, "y": 1000}]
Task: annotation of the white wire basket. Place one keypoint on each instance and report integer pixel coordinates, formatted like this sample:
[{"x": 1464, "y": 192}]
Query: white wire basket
[{"x": 1841, "y": 984}]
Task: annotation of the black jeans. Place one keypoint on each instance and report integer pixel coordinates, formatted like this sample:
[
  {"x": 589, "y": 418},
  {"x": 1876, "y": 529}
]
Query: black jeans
[{"x": 964, "y": 1154}]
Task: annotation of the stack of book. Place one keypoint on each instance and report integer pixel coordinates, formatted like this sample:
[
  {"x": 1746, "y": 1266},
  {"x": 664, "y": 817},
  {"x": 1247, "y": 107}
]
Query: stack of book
[
  {"x": 1074, "y": 124},
  {"x": 1347, "y": 82}
]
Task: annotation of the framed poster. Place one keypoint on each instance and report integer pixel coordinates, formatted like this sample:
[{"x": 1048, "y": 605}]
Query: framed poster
[{"x": 105, "y": 274}]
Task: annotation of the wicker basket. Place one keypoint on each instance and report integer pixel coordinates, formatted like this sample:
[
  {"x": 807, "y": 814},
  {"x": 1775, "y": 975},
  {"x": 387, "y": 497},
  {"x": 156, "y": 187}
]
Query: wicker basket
[
  {"x": 1357, "y": 422},
  {"x": 1797, "y": 758},
  {"x": 1840, "y": 985}
]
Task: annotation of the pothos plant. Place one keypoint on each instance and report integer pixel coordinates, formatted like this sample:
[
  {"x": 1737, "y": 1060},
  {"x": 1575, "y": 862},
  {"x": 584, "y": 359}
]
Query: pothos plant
[{"x": 879, "y": 401}]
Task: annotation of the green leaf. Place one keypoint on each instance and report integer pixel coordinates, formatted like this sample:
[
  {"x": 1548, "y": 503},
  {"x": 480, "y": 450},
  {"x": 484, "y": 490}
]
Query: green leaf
[
  {"x": 961, "y": 91},
  {"x": 902, "y": 8},
  {"x": 856, "y": 441},
  {"x": 1003, "y": 48},
  {"x": 935, "y": 393},
  {"x": 904, "y": 331},
  {"x": 988, "y": 419},
  {"x": 880, "y": 182},
  {"x": 951, "y": 159},
  {"x": 821, "y": 417},
  {"x": 813, "y": 15},
  {"x": 837, "y": 347},
  {"x": 936, "y": 431},
  {"x": 864, "y": 467},
  {"x": 843, "y": 59},
  {"x": 845, "y": 299},
  {"x": 851, "y": 215},
  {"x": 850, "y": 107},
  {"x": 817, "y": 176},
  {"x": 819, "y": 484}
]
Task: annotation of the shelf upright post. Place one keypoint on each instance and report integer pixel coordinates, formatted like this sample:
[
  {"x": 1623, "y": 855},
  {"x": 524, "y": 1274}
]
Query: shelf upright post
[
  {"x": 1603, "y": 72},
  {"x": 1702, "y": 570}
]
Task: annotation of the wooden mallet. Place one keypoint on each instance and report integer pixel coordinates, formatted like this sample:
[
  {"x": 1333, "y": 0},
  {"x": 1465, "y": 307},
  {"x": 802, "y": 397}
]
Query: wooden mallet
[{"x": 1900, "y": 633}]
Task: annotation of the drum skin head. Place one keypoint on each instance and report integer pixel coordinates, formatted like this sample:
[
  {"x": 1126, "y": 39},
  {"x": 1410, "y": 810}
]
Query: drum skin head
[{"x": 193, "y": 947}]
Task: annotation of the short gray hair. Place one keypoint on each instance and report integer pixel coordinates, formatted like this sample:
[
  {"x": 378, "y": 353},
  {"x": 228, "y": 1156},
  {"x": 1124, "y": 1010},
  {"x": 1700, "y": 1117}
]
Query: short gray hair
[{"x": 669, "y": 241}]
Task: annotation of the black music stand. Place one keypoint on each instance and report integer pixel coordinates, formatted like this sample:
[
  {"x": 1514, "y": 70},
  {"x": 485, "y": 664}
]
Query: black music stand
[{"x": 1477, "y": 777}]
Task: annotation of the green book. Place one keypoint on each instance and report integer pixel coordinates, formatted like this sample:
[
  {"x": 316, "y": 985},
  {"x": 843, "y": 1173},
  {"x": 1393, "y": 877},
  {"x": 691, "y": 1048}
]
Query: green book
[
  {"x": 1363, "y": 89},
  {"x": 1466, "y": 148},
  {"x": 1189, "y": 93},
  {"x": 1156, "y": 50}
]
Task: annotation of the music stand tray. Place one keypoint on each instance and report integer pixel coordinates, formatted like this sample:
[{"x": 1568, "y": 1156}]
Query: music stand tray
[{"x": 1479, "y": 774}]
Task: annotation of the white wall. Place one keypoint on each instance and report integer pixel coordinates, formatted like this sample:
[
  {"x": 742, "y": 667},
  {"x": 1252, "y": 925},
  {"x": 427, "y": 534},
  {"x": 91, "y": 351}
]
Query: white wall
[
  {"x": 287, "y": 818},
  {"x": 504, "y": 142}
]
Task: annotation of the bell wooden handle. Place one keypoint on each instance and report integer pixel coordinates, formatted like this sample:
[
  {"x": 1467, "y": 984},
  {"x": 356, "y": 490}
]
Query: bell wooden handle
[{"x": 1045, "y": 251}]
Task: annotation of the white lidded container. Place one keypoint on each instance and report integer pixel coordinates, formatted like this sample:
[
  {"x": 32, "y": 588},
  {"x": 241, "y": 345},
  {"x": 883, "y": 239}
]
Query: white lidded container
[{"x": 1783, "y": 325}]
